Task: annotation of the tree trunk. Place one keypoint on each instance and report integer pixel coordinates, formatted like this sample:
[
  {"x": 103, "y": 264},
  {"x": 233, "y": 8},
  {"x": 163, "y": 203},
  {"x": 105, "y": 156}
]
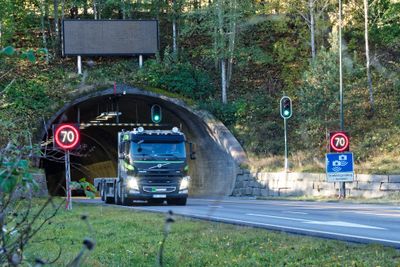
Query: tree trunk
[
  {"x": 174, "y": 34},
  {"x": 232, "y": 41},
  {"x": 95, "y": 9},
  {"x": 1, "y": 41},
  {"x": 62, "y": 19},
  {"x": 221, "y": 49},
  {"x": 312, "y": 28},
  {"x": 56, "y": 29},
  {"x": 223, "y": 81},
  {"x": 85, "y": 8},
  {"x": 123, "y": 9},
  {"x": 370, "y": 88},
  {"x": 42, "y": 29}
]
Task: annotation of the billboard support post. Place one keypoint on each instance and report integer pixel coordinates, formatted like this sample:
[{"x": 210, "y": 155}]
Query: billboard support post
[
  {"x": 140, "y": 61},
  {"x": 79, "y": 65}
]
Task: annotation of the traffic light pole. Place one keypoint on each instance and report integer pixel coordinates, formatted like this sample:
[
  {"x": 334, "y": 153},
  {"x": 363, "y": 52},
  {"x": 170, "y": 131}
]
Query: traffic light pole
[{"x": 286, "y": 147}]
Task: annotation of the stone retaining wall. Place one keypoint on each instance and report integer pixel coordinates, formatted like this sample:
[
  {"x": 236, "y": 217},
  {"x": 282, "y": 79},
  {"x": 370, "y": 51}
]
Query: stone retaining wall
[{"x": 312, "y": 184}]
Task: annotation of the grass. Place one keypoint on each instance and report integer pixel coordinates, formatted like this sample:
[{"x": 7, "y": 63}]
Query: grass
[{"x": 132, "y": 238}]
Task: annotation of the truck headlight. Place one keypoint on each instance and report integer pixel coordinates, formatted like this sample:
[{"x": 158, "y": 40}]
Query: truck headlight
[
  {"x": 133, "y": 184},
  {"x": 184, "y": 183}
]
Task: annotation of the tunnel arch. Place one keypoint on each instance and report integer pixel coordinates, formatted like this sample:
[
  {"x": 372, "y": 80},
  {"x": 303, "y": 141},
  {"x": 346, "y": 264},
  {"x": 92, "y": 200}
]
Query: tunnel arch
[{"x": 218, "y": 152}]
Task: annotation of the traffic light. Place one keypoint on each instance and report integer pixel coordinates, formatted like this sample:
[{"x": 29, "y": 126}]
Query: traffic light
[
  {"x": 156, "y": 113},
  {"x": 286, "y": 107}
]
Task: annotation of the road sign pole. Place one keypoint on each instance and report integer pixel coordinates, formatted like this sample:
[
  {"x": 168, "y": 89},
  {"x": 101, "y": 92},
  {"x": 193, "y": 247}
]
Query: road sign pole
[
  {"x": 286, "y": 147},
  {"x": 343, "y": 184},
  {"x": 68, "y": 205}
]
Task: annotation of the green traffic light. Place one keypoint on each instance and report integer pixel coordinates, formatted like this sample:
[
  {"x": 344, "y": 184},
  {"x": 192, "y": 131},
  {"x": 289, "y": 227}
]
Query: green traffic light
[
  {"x": 156, "y": 113},
  {"x": 286, "y": 113}
]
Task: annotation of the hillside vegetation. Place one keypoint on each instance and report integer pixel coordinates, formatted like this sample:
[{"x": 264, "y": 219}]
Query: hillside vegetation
[{"x": 233, "y": 58}]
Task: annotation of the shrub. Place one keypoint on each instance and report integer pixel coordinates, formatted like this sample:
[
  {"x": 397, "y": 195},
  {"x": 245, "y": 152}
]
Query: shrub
[{"x": 180, "y": 78}]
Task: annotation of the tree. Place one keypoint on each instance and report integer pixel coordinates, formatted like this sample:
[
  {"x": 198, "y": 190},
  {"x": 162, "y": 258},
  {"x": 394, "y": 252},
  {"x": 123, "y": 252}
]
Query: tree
[
  {"x": 310, "y": 13},
  {"x": 367, "y": 63}
]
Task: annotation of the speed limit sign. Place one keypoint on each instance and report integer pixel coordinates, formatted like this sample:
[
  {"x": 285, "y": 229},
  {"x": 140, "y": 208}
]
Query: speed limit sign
[
  {"x": 339, "y": 142},
  {"x": 66, "y": 136}
]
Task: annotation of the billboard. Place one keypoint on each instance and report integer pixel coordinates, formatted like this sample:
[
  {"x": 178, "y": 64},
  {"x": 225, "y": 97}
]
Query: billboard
[{"x": 110, "y": 37}]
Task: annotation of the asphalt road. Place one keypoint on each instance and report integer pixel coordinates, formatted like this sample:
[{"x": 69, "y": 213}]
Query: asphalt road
[{"x": 363, "y": 223}]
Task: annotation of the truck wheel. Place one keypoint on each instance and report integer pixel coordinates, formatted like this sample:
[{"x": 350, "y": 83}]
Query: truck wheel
[
  {"x": 116, "y": 198},
  {"x": 108, "y": 200},
  {"x": 102, "y": 193},
  {"x": 124, "y": 201},
  {"x": 177, "y": 201}
]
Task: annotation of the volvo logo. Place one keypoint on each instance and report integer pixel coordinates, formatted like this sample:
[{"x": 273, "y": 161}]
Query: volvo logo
[{"x": 159, "y": 165}]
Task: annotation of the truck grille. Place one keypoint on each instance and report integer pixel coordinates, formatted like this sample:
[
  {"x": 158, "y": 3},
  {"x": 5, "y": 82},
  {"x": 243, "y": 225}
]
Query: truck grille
[{"x": 159, "y": 189}]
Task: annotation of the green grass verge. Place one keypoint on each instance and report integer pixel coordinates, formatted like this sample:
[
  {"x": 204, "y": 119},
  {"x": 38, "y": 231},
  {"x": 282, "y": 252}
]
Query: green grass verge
[{"x": 132, "y": 238}]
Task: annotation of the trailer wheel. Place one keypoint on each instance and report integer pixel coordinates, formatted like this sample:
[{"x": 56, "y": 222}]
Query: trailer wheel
[{"x": 177, "y": 201}]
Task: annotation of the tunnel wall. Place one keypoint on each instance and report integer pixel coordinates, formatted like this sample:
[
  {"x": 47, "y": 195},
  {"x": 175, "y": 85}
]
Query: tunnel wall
[{"x": 218, "y": 152}]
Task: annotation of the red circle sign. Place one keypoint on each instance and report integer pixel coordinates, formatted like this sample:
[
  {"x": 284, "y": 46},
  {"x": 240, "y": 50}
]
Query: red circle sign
[
  {"x": 66, "y": 136},
  {"x": 339, "y": 142}
]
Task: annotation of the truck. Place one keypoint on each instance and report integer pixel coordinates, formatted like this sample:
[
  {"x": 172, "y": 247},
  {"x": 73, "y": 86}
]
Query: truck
[{"x": 152, "y": 167}]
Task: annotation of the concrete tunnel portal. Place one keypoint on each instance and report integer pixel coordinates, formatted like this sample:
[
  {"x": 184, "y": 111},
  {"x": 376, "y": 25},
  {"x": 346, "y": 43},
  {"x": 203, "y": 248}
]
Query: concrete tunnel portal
[{"x": 218, "y": 153}]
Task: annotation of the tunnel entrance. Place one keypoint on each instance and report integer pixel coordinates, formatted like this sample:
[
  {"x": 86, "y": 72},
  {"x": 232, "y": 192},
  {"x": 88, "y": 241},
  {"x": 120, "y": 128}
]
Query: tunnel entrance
[{"x": 218, "y": 154}]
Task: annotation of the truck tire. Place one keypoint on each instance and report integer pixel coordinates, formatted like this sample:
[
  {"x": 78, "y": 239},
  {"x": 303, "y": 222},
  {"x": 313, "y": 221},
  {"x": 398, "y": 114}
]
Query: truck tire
[
  {"x": 102, "y": 193},
  {"x": 125, "y": 201},
  {"x": 117, "y": 201},
  {"x": 107, "y": 199},
  {"x": 177, "y": 201}
]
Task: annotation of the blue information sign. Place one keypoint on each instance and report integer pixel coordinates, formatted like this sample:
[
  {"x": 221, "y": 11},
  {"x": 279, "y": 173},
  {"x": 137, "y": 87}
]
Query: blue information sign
[{"x": 340, "y": 167}]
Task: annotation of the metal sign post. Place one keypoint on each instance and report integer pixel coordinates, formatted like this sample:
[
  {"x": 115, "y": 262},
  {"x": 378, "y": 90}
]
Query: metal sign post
[
  {"x": 68, "y": 204},
  {"x": 79, "y": 59},
  {"x": 67, "y": 137}
]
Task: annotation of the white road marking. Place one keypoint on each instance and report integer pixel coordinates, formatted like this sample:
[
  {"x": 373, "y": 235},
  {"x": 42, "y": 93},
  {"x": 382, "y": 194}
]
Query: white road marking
[
  {"x": 297, "y": 212},
  {"x": 344, "y": 224},
  {"x": 211, "y": 206},
  {"x": 276, "y": 217},
  {"x": 331, "y": 223},
  {"x": 378, "y": 214}
]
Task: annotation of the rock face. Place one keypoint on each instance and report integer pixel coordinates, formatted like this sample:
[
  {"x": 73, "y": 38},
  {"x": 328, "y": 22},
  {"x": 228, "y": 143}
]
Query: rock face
[{"x": 312, "y": 184}]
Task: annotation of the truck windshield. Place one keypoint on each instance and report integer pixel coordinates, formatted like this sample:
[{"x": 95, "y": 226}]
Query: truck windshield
[{"x": 159, "y": 149}]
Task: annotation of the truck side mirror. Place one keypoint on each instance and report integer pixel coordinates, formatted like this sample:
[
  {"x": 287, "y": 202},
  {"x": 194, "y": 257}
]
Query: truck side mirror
[{"x": 192, "y": 153}]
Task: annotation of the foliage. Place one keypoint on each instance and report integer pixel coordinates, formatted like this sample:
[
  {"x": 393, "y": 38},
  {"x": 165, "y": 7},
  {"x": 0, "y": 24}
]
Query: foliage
[
  {"x": 266, "y": 46},
  {"x": 177, "y": 77},
  {"x": 19, "y": 223}
]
